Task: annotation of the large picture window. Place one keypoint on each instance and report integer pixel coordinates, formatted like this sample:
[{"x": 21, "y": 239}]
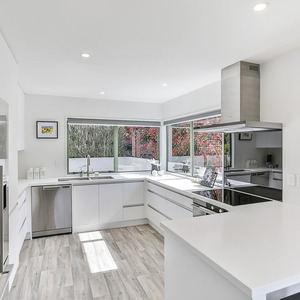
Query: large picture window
[{"x": 112, "y": 148}]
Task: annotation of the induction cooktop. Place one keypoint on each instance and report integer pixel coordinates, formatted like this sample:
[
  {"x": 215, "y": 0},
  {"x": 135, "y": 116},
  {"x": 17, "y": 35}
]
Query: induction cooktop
[{"x": 231, "y": 197}]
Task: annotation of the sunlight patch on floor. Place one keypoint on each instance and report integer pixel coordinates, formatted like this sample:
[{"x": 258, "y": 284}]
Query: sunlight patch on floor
[
  {"x": 96, "y": 252},
  {"x": 90, "y": 236}
]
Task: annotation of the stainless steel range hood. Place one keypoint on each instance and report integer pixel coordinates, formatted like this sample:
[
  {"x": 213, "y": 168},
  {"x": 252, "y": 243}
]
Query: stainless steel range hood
[{"x": 240, "y": 101}]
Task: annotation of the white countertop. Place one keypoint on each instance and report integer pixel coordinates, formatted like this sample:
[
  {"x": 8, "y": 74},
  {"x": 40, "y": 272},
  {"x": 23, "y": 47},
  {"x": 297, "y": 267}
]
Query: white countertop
[{"x": 256, "y": 246}]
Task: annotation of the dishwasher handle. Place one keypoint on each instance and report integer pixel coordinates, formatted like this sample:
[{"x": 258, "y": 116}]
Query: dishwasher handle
[{"x": 51, "y": 187}]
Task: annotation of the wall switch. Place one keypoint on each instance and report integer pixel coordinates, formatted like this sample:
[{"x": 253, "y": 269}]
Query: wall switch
[
  {"x": 290, "y": 178},
  {"x": 298, "y": 180}
]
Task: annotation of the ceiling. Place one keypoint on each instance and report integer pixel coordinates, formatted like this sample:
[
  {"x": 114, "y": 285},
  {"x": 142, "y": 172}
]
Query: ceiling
[{"x": 137, "y": 45}]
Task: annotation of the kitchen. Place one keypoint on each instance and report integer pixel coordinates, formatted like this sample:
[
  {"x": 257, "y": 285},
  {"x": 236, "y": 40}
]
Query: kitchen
[{"x": 22, "y": 70}]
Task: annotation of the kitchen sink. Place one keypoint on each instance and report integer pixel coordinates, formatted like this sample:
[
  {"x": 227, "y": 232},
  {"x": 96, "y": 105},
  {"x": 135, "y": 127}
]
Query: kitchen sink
[
  {"x": 101, "y": 177},
  {"x": 84, "y": 178},
  {"x": 73, "y": 178}
]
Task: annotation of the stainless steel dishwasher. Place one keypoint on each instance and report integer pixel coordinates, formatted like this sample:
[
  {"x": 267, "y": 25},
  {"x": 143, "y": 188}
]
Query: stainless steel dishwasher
[{"x": 51, "y": 210}]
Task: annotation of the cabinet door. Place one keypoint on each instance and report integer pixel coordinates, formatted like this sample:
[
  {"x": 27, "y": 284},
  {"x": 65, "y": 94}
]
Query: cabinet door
[
  {"x": 110, "y": 203},
  {"x": 271, "y": 139},
  {"x": 133, "y": 193},
  {"x": 85, "y": 208}
]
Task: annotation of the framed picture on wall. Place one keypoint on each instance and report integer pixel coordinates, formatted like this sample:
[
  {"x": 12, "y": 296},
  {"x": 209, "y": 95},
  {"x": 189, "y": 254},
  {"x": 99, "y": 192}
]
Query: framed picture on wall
[
  {"x": 46, "y": 129},
  {"x": 245, "y": 136}
]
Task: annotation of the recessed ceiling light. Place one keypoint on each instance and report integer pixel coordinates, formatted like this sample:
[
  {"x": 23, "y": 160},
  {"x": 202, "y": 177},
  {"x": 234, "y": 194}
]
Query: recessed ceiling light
[
  {"x": 85, "y": 55},
  {"x": 101, "y": 93},
  {"x": 164, "y": 84},
  {"x": 260, "y": 6}
]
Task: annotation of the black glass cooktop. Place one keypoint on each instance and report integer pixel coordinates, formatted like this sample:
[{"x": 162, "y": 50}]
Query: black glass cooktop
[
  {"x": 262, "y": 191},
  {"x": 231, "y": 197}
]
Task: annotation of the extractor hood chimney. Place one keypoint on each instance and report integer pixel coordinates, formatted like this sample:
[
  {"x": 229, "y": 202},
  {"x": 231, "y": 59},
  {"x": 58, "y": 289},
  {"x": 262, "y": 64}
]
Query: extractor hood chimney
[{"x": 240, "y": 101}]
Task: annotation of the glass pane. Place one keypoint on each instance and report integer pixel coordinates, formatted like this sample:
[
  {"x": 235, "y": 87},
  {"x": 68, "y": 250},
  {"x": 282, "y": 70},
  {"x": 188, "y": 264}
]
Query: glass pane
[
  {"x": 137, "y": 145},
  {"x": 95, "y": 140},
  {"x": 179, "y": 148},
  {"x": 207, "y": 147}
]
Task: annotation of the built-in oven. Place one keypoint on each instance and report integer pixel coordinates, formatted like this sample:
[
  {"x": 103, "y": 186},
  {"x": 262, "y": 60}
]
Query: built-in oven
[{"x": 203, "y": 208}]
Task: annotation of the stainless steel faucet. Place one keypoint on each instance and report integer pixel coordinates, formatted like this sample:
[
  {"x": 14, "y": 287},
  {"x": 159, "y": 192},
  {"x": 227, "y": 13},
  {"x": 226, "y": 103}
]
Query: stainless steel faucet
[{"x": 88, "y": 162}]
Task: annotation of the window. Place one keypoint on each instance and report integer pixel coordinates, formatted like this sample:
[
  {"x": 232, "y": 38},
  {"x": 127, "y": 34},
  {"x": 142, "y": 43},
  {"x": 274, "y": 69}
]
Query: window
[
  {"x": 112, "y": 148},
  {"x": 94, "y": 140},
  {"x": 207, "y": 146},
  {"x": 136, "y": 146},
  {"x": 190, "y": 152},
  {"x": 179, "y": 156}
]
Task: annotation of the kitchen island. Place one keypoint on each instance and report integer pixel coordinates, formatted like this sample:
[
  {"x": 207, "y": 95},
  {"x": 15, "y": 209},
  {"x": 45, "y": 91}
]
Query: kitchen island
[{"x": 252, "y": 252}]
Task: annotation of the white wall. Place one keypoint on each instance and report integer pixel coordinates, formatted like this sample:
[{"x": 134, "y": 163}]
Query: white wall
[
  {"x": 52, "y": 153},
  {"x": 280, "y": 102},
  {"x": 205, "y": 99}
]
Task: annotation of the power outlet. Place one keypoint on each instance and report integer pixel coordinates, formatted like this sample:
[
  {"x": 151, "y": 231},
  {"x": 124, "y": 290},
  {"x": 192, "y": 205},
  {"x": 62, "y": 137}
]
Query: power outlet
[
  {"x": 298, "y": 180},
  {"x": 290, "y": 178}
]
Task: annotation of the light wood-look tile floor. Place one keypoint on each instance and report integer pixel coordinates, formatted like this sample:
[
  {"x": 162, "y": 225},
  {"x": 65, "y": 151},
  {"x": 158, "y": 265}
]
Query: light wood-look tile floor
[{"x": 122, "y": 263}]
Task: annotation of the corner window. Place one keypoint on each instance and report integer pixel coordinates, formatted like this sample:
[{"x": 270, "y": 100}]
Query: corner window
[
  {"x": 136, "y": 145},
  {"x": 179, "y": 151},
  {"x": 207, "y": 146},
  {"x": 190, "y": 152}
]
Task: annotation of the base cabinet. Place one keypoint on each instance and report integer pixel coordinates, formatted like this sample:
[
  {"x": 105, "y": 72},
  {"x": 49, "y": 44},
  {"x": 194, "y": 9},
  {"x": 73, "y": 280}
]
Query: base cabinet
[
  {"x": 85, "y": 208},
  {"x": 163, "y": 204},
  {"x": 110, "y": 203}
]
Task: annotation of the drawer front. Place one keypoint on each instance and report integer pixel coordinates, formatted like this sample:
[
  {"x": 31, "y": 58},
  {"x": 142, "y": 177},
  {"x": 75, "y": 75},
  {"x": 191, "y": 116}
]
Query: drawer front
[
  {"x": 133, "y": 193},
  {"x": 134, "y": 213},
  {"x": 157, "y": 189},
  {"x": 174, "y": 211},
  {"x": 180, "y": 199},
  {"x": 155, "y": 217},
  {"x": 156, "y": 201},
  {"x": 276, "y": 175}
]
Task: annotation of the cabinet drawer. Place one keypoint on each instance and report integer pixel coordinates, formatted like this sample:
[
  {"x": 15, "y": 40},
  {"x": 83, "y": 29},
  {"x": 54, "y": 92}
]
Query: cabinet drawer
[
  {"x": 179, "y": 198},
  {"x": 155, "y": 217},
  {"x": 174, "y": 211},
  {"x": 156, "y": 201},
  {"x": 134, "y": 213},
  {"x": 157, "y": 189},
  {"x": 133, "y": 193}
]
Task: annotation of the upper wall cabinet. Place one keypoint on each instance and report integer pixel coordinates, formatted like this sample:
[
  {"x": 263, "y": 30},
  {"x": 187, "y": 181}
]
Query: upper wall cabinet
[
  {"x": 269, "y": 139},
  {"x": 21, "y": 119}
]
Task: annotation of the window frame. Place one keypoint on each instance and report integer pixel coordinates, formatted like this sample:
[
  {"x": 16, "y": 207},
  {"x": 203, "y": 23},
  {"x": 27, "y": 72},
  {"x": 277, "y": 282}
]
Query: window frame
[
  {"x": 116, "y": 124},
  {"x": 191, "y": 119}
]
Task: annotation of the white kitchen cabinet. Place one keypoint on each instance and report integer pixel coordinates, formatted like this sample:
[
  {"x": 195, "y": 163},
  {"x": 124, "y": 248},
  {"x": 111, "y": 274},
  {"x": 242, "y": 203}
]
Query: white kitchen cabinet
[
  {"x": 85, "y": 208},
  {"x": 110, "y": 203},
  {"x": 22, "y": 219},
  {"x": 175, "y": 211},
  {"x": 270, "y": 139},
  {"x": 276, "y": 179},
  {"x": 239, "y": 177},
  {"x": 134, "y": 212},
  {"x": 164, "y": 204},
  {"x": 133, "y": 193},
  {"x": 133, "y": 201}
]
